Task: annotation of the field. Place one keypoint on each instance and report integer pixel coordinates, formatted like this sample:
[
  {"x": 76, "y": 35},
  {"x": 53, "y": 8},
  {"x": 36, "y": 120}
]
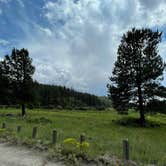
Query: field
[{"x": 147, "y": 145}]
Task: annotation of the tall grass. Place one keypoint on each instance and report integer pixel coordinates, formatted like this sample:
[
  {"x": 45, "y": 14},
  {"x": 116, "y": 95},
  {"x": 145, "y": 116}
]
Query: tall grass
[{"x": 147, "y": 145}]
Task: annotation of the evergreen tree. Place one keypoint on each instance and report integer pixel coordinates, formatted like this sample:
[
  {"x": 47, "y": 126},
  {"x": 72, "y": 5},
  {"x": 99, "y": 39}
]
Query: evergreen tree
[
  {"x": 19, "y": 71},
  {"x": 4, "y": 85},
  {"x": 137, "y": 72}
]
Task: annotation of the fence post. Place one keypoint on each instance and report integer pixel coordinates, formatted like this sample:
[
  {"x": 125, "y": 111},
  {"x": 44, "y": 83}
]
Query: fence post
[
  {"x": 34, "y": 132},
  {"x": 82, "y": 138},
  {"x": 126, "y": 149},
  {"x": 18, "y": 129},
  {"x": 3, "y": 125},
  {"x": 54, "y": 136}
]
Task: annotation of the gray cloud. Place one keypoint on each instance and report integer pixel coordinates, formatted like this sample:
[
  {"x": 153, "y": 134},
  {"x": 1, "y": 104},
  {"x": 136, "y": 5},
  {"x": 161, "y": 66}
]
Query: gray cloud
[
  {"x": 78, "y": 48},
  {"x": 151, "y": 4}
]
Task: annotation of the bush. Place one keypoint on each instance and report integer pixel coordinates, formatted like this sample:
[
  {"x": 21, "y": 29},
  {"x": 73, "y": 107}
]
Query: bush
[{"x": 71, "y": 145}]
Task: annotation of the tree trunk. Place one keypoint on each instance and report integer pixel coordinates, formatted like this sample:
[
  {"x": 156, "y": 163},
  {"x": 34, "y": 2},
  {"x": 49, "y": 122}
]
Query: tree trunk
[
  {"x": 23, "y": 110},
  {"x": 141, "y": 110}
]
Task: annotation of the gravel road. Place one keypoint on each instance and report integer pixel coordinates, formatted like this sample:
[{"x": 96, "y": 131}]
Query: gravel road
[{"x": 20, "y": 156}]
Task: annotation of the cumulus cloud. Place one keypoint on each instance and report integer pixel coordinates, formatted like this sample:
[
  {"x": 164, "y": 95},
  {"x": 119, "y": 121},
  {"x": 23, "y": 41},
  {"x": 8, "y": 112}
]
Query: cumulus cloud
[
  {"x": 93, "y": 29},
  {"x": 52, "y": 59},
  {"x": 4, "y": 42},
  {"x": 77, "y": 46}
]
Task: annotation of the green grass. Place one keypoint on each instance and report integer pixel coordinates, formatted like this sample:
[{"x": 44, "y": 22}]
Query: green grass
[{"x": 147, "y": 145}]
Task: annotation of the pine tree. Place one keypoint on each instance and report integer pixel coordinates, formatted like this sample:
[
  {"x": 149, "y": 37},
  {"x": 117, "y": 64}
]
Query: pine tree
[
  {"x": 19, "y": 71},
  {"x": 4, "y": 85},
  {"x": 137, "y": 72}
]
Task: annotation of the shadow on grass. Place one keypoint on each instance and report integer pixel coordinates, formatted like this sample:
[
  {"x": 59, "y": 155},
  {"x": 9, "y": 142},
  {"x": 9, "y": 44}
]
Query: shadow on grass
[{"x": 135, "y": 122}]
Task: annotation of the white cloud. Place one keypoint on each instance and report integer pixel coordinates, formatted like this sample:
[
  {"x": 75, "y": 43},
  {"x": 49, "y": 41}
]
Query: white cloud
[
  {"x": 47, "y": 31},
  {"x": 4, "y": 42},
  {"x": 78, "y": 48}
]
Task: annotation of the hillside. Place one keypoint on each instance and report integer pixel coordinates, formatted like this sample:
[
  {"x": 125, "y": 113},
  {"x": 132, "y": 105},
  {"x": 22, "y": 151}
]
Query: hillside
[{"x": 51, "y": 96}]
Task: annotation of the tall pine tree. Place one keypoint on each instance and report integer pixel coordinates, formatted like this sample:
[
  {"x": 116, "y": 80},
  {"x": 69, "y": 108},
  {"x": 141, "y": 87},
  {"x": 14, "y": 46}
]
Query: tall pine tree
[
  {"x": 19, "y": 70},
  {"x": 137, "y": 72}
]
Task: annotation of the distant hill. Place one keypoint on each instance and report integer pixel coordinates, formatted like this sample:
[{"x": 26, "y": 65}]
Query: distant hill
[
  {"x": 63, "y": 97},
  {"x": 52, "y": 96}
]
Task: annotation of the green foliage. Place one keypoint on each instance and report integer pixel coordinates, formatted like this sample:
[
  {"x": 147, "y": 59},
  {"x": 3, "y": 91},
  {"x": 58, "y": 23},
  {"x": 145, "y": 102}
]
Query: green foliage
[
  {"x": 70, "y": 146},
  {"x": 138, "y": 71},
  {"x": 5, "y": 92},
  {"x": 107, "y": 102},
  {"x": 73, "y": 145},
  {"x": 51, "y": 96},
  {"x": 17, "y": 69},
  {"x": 156, "y": 106}
]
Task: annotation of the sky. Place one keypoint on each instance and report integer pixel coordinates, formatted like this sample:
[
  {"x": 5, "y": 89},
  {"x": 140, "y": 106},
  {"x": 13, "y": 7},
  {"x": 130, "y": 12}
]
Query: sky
[{"x": 74, "y": 42}]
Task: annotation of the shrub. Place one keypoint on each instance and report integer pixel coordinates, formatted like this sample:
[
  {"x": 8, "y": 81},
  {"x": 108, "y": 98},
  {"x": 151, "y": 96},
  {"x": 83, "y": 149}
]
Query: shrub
[
  {"x": 70, "y": 141},
  {"x": 71, "y": 145}
]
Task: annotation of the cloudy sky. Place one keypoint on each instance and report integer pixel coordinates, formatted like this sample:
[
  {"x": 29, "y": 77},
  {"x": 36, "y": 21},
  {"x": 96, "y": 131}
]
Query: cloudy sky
[{"x": 74, "y": 42}]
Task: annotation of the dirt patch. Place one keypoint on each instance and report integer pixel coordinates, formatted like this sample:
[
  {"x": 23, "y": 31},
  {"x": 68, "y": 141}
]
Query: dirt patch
[{"x": 20, "y": 156}]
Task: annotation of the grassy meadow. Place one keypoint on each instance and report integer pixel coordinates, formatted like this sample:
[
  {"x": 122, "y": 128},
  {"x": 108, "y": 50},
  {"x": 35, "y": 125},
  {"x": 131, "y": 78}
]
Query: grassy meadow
[{"x": 147, "y": 145}]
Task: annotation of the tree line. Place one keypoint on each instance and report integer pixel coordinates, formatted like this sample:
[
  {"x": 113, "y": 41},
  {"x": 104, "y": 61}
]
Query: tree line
[
  {"x": 63, "y": 97},
  {"x": 18, "y": 87},
  {"x": 53, "y": 96}
]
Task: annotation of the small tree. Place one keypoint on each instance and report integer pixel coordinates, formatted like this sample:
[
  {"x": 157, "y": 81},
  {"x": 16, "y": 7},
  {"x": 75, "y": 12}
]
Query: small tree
[
  {"x": 137, "y": 72},
  {"x": 19, "y": 70}
]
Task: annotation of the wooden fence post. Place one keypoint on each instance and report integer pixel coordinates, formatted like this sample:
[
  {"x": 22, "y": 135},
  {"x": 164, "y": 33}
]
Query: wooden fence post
[
  {"x": 34, "y": 132},
  {"x": 3, "y": 125},
  {"x": 18, "y": 129},
  {"x": 54, "y": 136},
  {"x": 126, "y": 149},
  {"x": 82, "y": 138}
]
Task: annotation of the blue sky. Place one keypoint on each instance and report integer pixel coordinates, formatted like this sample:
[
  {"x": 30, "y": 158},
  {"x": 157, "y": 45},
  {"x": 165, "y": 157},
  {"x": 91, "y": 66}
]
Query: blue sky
[{"x": 74, "y": 42}]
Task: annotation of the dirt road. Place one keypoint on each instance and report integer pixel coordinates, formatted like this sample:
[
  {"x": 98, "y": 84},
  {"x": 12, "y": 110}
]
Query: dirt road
[{"x": 19, "y": 156}]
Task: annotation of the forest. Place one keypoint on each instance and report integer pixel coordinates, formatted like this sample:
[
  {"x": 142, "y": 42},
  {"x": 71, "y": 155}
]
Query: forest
[{"x": 53, "y": 96}]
